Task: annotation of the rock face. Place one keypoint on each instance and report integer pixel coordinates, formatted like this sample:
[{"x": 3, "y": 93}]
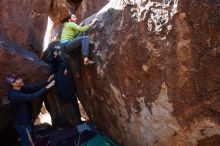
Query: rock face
[
  {"x": 88, "y": 7},
  {"x": 25, "y": 22},
  {"x": 156, "y": 80},
  {"x": 14, "y": 59},
  {"x": 82, "y": 8},
  {"x": 61, "y": 8}
]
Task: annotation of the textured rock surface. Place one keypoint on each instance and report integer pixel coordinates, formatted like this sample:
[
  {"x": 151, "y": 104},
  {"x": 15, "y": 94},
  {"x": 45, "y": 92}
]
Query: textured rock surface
[
  {"x": 82, "y": 8},
  {"x": 88, "y": 7},
  {"x": 61, "y": 8},
  {"x": 58, "y": 11},
  {"x": 14, "y": 59},
  {"x": 24, "y": 22},
  {"x": 156, "y": 80}
]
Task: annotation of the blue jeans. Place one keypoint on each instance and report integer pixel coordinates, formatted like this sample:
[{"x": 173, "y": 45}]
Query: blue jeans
[
  {"x": 21, "y": 129},
  {"x": 76, "y": 43}
]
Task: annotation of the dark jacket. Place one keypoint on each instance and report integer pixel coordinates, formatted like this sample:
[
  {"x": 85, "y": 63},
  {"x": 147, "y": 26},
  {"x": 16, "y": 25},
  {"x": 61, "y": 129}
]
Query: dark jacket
[
  {"x": 57, "y": 65},
  {"x": 21, "y": 100},
  {"x": 65, "y": 86}
]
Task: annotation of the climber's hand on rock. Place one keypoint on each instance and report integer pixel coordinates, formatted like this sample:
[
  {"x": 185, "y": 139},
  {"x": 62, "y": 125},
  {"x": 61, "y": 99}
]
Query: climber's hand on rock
[{"x": 93, "y": 22}]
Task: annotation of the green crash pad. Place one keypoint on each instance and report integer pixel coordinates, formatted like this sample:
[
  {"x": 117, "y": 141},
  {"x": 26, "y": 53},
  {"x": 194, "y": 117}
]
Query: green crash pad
[{"x": 99, "y": 140}]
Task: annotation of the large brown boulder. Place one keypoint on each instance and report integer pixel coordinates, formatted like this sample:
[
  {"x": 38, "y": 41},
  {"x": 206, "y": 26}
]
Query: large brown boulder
[
  {"x": 61, "y": 8},
  {"x": 15, "y": 59},
  {"x": 25, "y": 22},
  {"x": 156, "y": 78},
  {"x": 88, "y": 7}
]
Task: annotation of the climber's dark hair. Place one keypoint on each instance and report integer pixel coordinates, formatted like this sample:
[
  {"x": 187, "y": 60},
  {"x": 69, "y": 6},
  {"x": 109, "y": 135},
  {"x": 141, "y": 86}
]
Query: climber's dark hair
[{"x": 67, "y": 18}]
